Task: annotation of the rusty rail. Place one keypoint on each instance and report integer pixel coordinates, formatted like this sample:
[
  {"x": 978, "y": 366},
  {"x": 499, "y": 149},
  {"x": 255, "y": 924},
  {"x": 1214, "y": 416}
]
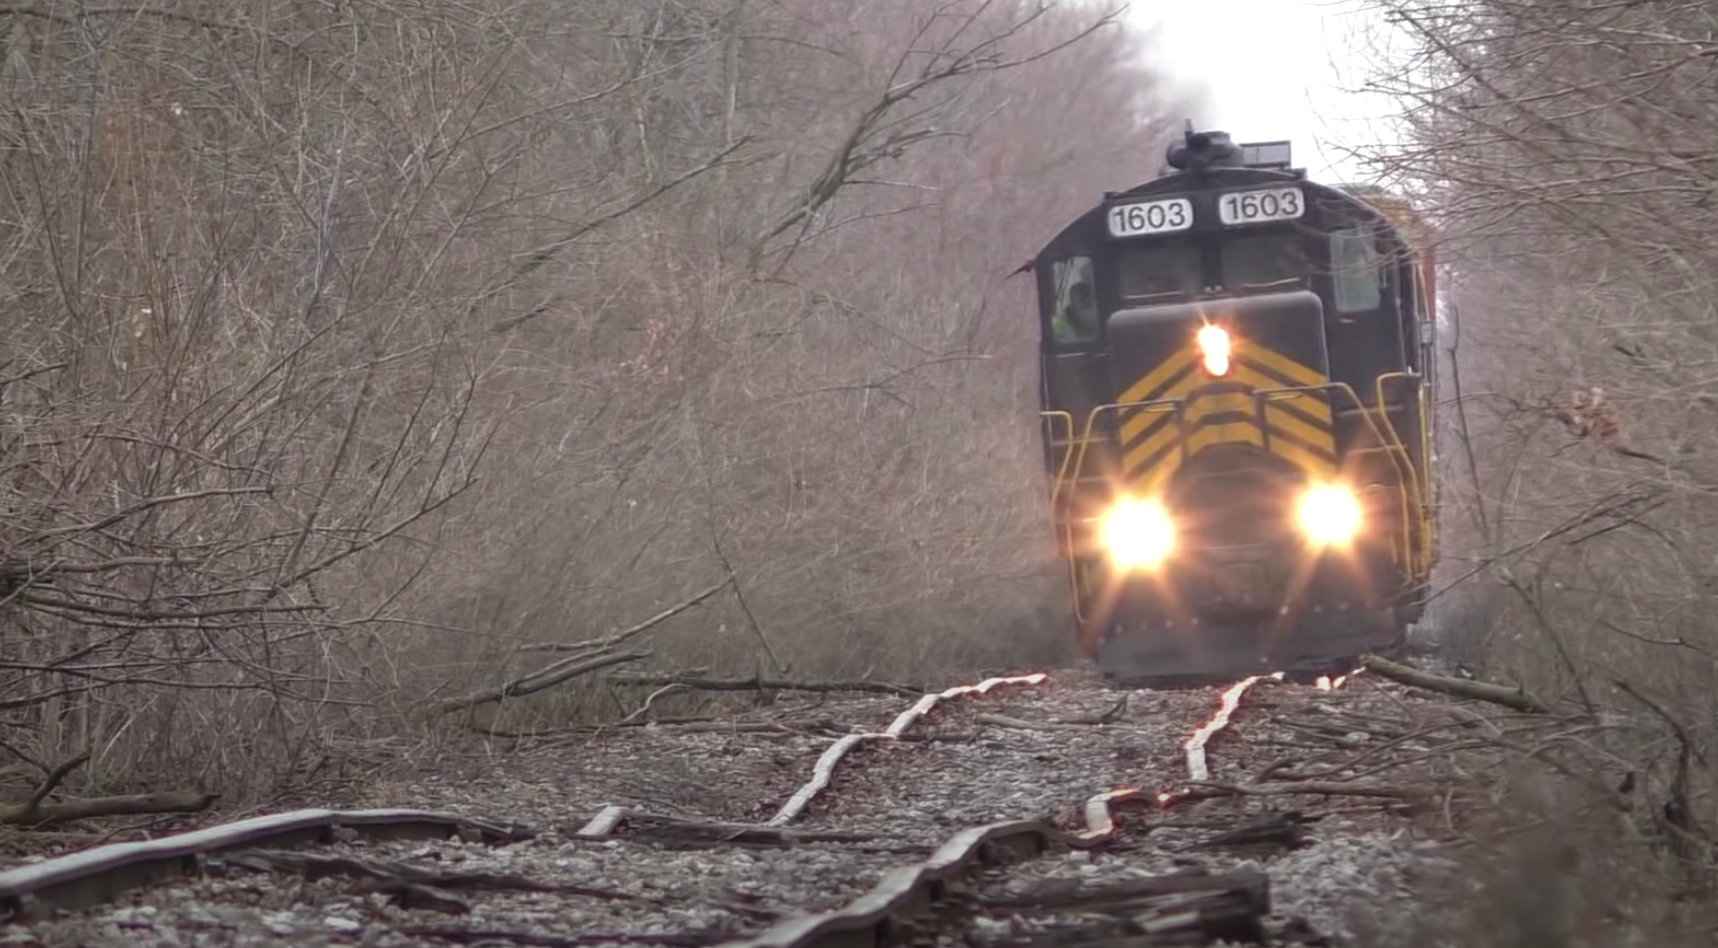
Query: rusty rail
[
  {"x": 867, "y": 921},
  {"x": 1197, "y": 769},
  {"x": 94, "y": 876},
  {"x": 81, "y": 880},
  {"x": 824, "y": 770},
  {"x": 100, "y": 875},
  {"x": 613, "y": 815}
]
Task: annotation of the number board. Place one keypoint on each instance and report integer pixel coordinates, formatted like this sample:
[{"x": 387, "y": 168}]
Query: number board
[
  {"x": 1151, "y": 217},
  {"x": 1261, "y": 205}
]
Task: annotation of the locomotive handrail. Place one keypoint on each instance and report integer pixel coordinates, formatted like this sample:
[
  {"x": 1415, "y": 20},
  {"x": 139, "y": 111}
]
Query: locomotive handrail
[
  {"x": 1408, "y": 462},
  {"x": 1079, "y": 460},
  {"x": 1061, "y": 469},
  {"x": 1063, "y": 527},
  {"x": 1156, "y": 405}
]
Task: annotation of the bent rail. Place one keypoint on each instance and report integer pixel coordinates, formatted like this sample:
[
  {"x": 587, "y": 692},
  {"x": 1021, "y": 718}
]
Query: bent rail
[
  {"x": 913, "y": 890},
  {"x": 84, "y": 879}
]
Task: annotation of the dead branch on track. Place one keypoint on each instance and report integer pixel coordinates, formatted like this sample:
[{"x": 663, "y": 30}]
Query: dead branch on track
[
  {"x": 50, "y": 814},
  {"x": 35, "y": 812},
  {"x": 558, "y": 673},
  {"x": 414, "y": 897},
  {"x": 1283, "y": 831},
  {"x": 1314, "y": 788},
  {"x": 675, "y": 832},
  {"x": 315, "y": 866},
  {"x": 1072, "y": 894},
  {"x": 53, "y": 779},
  {"x": 1077, "y": 722},
  {"x": 1109, "y": 715},
  {"x": 1514, "y": 698},
  {"x": 1003, "y": 720},
  {"x": 586, "y": 657},
  {"x": 637, "y": 716},
  {"x": 633, "y": 631},
  {"x": 473, "y": 936},
  {"x": 758, "y": 683},
  {"x": 1159, "y": 910}
]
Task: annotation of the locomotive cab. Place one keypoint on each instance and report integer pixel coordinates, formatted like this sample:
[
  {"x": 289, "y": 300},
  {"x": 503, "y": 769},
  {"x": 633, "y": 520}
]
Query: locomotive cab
[{"x": 1235, "y": 411}]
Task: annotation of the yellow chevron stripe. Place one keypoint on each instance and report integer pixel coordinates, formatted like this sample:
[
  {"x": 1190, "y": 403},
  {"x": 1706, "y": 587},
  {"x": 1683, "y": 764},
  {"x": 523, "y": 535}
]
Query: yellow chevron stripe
[
  {"x": 1137, "y": 454},
  {"x": 1154, "y": 480},
  {"x": 1281, "y": 364},
  {"x": 1233, "y": 432},
  {"x": 1282, "y": 421},
  {"x": 1277, "y": 417},
  {"x": 1309, "y": 403},
  {"x": 1155, "y": 379},
  {"x": 1140, "y": 419},
  {"x": 1302, "y": 458}
]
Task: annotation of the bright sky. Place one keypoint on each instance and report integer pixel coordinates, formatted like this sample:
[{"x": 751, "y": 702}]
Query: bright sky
[{"x": 1275, "y": 69}]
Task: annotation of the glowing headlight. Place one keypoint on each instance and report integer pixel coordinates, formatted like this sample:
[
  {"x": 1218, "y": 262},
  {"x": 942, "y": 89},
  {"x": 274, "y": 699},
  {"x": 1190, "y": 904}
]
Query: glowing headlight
[
  {"x": 1214, "y": 349},
  {"x": 1329, "y": 514},
  {"x": 1138, "y": 534}
]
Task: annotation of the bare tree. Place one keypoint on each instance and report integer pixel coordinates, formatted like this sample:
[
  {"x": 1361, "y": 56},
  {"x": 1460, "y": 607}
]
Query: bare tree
[
  {"x": 1568, "y": 150},
  {"x": 353, "y": 349}
]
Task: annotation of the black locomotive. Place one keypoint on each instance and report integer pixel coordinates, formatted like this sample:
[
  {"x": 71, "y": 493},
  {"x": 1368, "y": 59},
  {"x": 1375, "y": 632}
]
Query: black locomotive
[{"x": 1237, "y": 396}]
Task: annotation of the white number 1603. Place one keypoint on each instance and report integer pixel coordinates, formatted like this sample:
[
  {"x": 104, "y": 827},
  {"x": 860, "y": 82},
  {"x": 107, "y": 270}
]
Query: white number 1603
[
  {"x": 1151, "y": 217},
  {"x": 1252, "y": 207}
]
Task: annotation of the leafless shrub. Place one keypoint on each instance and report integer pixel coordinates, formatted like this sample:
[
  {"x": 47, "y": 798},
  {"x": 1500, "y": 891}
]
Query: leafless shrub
[
  {"x": 351, "y": 349},
  {"x": 1567, "y": 150}
]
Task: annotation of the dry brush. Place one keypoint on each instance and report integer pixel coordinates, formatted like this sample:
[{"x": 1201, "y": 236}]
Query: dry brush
[{"x": 352, "y": 352}]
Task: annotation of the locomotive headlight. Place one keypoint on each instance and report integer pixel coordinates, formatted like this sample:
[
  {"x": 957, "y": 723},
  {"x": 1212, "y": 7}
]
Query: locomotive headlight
[
  {"x": 1138, "y": 534},
  {"x": 1330, "y": 514},
  {"x": 1213, "y": 344}
]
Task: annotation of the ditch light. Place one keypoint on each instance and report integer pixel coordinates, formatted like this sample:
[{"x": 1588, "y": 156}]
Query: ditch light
[
  {"x": 1329, "y": 515},
  {"x": 1137, "y": 534}
]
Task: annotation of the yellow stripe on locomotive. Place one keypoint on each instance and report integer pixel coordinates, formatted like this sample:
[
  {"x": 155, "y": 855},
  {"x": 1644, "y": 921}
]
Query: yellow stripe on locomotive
[{"x": 1259, "y": 398}]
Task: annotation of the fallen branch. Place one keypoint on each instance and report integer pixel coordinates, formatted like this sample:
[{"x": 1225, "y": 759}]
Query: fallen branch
[
  {"x": 54, "y": 778},
  {"x": 1078, "y": 722},
  {"x": 1276, "y": 831},
  {"x": 643, "y": 709},
  {"x": 467, "y": 936},
  {"x": 698, "y": 683},
  {"x": 672, "y": 829},
  {"x": 694, "y": 725},
  {"x": 591, "y": 656},
  {"x": 655, "y": 620},
  {"x": 50, "y": 814},
  {"x": 1514, "y": 698},
  {"x": 315, "y": 866},
  {"x": 1109, "y": 715},
  {"x": 414, "y": 897},
  {"x": 1231, "y": 907},
  {"x": 1313, "y": 788},
  {"x": 558, "y": 673}
]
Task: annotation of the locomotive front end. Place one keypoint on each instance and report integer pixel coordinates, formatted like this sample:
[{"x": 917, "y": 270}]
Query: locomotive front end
[
  {"x": 1235, "y": 419},
  {"x": 1233, "y": 519}
]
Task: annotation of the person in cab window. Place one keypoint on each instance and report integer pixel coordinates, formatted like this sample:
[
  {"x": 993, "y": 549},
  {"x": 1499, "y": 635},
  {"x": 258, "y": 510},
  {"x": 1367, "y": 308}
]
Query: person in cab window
[{"x": 1078, "y": 317}]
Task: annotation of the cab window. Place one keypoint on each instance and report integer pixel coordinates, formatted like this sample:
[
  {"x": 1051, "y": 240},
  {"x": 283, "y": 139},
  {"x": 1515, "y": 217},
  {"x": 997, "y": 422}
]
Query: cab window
[
  {"x": 1148, "y": 273},
  {"x": 1074, "y": 315},
  {"x": 1265, "y": 261},
  {"x": 1358, "y": 270}
]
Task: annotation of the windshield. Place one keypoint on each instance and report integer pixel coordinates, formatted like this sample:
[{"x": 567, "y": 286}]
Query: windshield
[
  {"x": 1256, "y": 262},
  {"x": 1146, "y": 272}
]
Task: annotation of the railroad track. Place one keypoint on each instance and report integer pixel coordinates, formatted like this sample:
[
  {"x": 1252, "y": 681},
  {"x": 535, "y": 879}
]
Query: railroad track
[{"x": 1031, "y": 811}]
